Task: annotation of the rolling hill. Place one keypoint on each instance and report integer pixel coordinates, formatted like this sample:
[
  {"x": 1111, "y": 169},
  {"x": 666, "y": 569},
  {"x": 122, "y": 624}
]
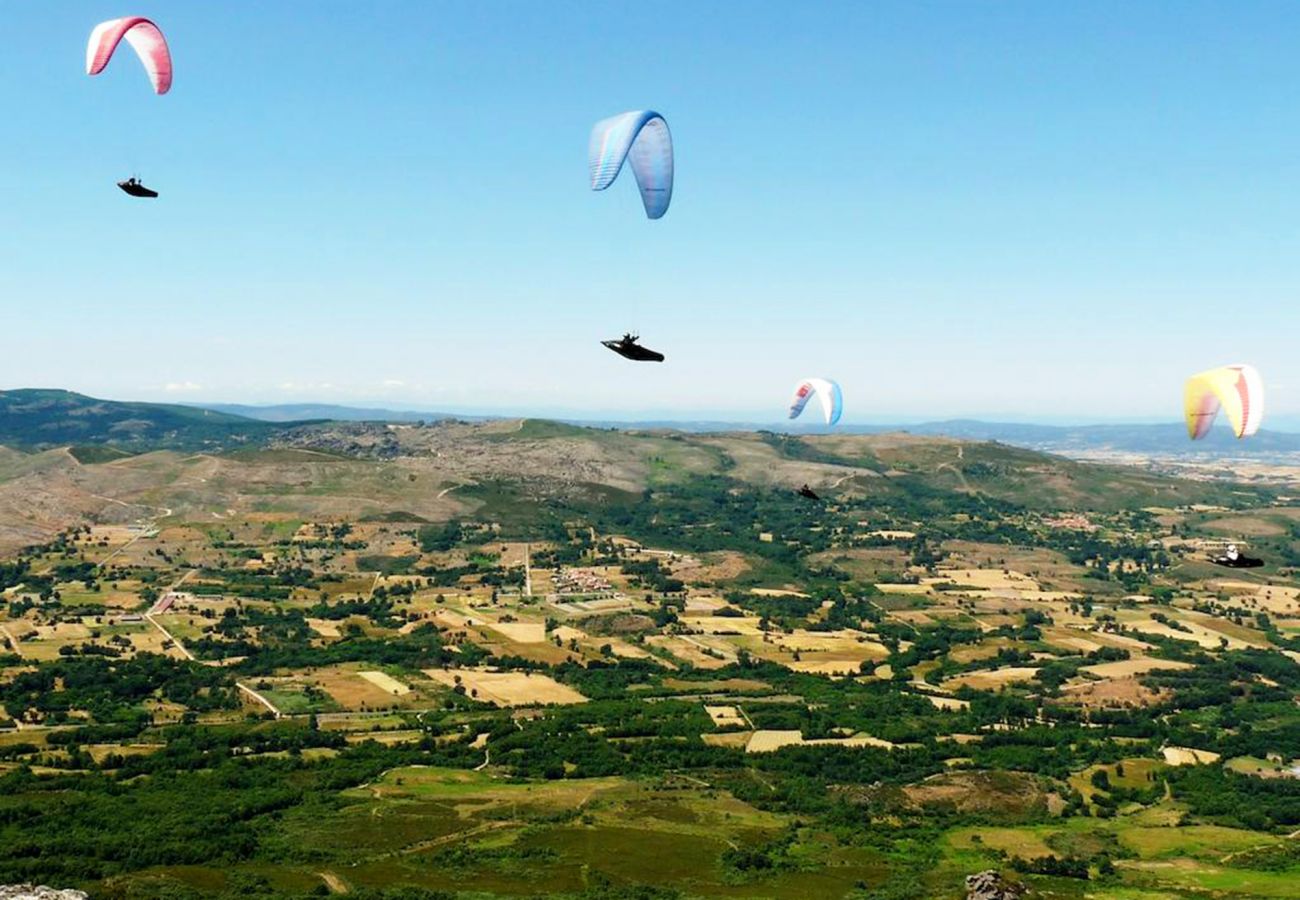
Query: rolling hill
[
  {"x": 516, "y": 471},
  {"x": 39, "y": 419}
]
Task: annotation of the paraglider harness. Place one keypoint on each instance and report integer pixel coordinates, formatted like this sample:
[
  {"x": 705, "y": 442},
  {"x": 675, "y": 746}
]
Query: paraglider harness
[{"x": 135, "y": 188}]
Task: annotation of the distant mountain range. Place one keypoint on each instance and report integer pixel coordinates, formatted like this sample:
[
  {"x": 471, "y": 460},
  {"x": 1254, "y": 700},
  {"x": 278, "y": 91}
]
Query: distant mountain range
[
  {"x": 1160, "y": 438},
  {"x": 38, "y": 418},
  {"x": 1140, "y": 438},
  {"x": 298, "y": 412}
]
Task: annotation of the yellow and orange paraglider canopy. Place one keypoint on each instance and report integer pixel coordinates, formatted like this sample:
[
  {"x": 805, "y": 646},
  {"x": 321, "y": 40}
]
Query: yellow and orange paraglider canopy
[{"x": 1238, "y": 390}]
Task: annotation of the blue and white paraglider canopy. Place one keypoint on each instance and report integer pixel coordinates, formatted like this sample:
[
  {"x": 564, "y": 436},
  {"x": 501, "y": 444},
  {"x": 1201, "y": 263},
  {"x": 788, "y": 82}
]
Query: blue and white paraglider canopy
[
  {"x": 642, "y": 137},
  {"x": 827, "y": 393}
]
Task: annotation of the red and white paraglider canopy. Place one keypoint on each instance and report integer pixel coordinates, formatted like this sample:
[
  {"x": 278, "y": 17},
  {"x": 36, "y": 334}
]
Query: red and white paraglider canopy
[{"x": 144, "y": 37}]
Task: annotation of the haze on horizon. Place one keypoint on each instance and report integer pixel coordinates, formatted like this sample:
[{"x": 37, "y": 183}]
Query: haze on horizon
[{"x": 1014, "y": 211}]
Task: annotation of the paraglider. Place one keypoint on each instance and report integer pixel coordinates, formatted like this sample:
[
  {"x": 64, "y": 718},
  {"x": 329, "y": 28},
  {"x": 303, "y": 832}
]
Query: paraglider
[
  {"x": 809, "y": 493},
  {"x": 627, "y": 347},
  {"x": 642, "y": 137},
  {"x": 1233, "y": 559},
  {"x": 827, "y": 393},
  {"x": 133, "y": 187},
  {"x": 145, "y": 39},
  {"x": 1238, "y": 390},
  {"x": 150, "y": 46}
]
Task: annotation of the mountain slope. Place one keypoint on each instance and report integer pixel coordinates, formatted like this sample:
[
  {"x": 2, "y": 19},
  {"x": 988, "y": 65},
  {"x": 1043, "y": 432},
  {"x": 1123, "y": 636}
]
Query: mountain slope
[
  {"x": 297, "y": 412},
  {"x": 37, "y": 419}
]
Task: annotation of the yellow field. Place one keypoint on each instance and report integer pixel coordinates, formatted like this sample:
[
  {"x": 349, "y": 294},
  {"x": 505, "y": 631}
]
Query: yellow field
[
  {"x": 508, "y": 688},
  {"x": 725, "y": 716},
  {"x": 844, "y": 641},
  {"x": 747, "y": 625},
  {"x": 451, "y": 619},
  {"x": 1272, "y": 598},
  {"x": 699, "y": 652},
  {"x": 566, "y": 633},
  {"x": 1111, "y": 692},
  {"x": 1186, "y": 756},
  {"x": 703, "y": 605},
  {"x": 1123, "y": 641},
  {"x": 991, "y": 680},
  {"x": 626, "y": 650},
  {"x": 1127, "y": 667},
  {"x": 856, "y": 740},
  {"x": 825, "y": 666},
  {"x": 1238, "y": 635},
  {"x": 951, "y": 703},
  {"x": 386, "y": 683},
  {"x": 768, "y": 741},
  {"x": 828, "y": 653},
  {"x": 64, "y": 631},
  {"x": 887, "y": 588},
  {"x": 735, "y": 739},
  {"x": 324, "y": 627},
  {"x": 353, "y": 690},
  {"x": 521, "y": 632},
  {"x": 986, "y": 579},
  {"x": 1061, "y": 637},
  {"x": 1209, "y": 632},
  {"x": 982, "y": 650}
]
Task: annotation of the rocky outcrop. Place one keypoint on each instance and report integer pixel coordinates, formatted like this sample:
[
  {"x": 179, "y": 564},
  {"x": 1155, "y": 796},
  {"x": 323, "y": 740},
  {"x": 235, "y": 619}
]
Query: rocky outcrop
[
  {"x": 989, "y": 885},
  {"x": 39, "y": 892}
]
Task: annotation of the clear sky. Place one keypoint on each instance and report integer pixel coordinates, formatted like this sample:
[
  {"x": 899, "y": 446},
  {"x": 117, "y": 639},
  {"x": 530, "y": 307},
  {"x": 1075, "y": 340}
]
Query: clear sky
[{"x": 1017, "y": 209}]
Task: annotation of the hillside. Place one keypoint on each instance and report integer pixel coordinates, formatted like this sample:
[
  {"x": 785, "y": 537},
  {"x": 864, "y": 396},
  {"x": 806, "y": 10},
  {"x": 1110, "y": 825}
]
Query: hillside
[
  {"x": 39, "y": 419},
  {"x": 521, "y": 473}
]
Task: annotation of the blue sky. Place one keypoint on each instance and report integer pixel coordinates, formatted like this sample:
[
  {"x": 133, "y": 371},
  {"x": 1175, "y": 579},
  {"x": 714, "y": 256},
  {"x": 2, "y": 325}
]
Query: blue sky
[{"x": 1018, "y": 210}]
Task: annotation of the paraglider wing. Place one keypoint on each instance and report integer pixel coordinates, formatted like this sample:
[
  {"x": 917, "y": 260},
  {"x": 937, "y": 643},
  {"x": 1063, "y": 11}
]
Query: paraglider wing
[
  {"x": 144, "y": 37},
  {"x": 827, "y": 393},
  {"x": 1237, "y": 390},
  {"x": 643, "y": 137}
]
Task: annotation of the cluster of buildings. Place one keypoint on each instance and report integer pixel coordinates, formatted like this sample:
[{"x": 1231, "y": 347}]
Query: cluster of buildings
[
  {"x": 1071, "y": 521},
  {"x": 579, "y": 581},
  {"x": 167, "y": 600}
]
